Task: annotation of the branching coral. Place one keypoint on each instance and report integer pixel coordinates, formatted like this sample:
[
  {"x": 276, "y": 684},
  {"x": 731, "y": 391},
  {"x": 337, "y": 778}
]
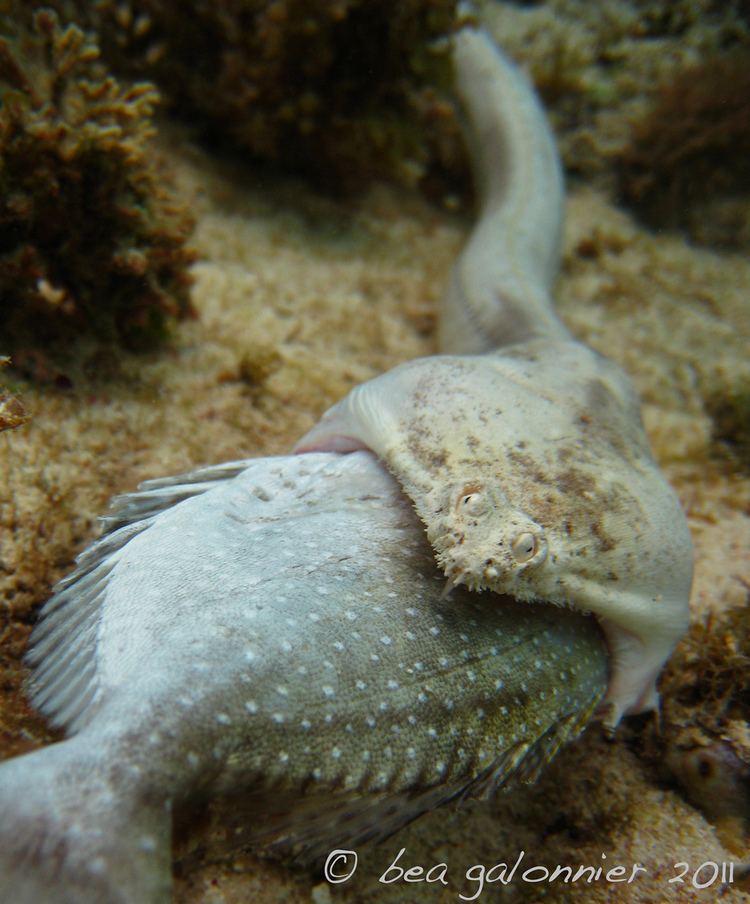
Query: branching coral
[
  {"x": 90, "y": 241},
  {"x": 693, "y": 147},
  {"x": 337, "y": 91}
]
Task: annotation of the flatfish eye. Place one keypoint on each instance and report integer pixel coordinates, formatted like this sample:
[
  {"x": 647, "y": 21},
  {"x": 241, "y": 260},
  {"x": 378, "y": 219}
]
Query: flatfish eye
[{"x": 524, "y": 547}]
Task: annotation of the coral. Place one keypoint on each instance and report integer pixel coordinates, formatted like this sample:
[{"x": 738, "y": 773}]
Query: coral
[
  {"x": 12, "y": 410},
  {"x": 90, "y": 241},
  {"x": 692, "y": 147},
  {"x": 339, "y": 92}
]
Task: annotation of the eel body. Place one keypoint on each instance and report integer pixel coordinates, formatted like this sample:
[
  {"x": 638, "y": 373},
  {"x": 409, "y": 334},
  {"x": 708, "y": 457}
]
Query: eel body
[{"x": 524, "y": 452}]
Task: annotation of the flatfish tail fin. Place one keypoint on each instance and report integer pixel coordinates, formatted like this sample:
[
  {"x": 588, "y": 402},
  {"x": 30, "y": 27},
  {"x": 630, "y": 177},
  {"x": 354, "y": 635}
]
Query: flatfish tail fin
[{"x": 70, "y": 835}]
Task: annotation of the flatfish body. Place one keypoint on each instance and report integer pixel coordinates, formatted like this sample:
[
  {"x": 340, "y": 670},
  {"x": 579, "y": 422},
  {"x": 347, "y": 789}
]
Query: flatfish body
[{"x": 273, "y": 630}]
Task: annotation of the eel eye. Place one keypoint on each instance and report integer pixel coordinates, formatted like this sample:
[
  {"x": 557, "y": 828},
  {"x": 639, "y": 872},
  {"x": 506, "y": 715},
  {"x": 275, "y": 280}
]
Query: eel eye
[
  {"x": 524, "y": 547},
  {"x": 470, "y": 499}
]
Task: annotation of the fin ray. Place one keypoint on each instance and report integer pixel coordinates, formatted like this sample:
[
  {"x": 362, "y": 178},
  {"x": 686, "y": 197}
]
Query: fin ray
[
  {"x": 155, "y": 496},
  {"x": 62, "y": 651}
]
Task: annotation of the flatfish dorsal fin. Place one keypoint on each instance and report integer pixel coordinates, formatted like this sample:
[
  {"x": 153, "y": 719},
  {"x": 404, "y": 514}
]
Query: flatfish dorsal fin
[{"x": 63, "y": 644}]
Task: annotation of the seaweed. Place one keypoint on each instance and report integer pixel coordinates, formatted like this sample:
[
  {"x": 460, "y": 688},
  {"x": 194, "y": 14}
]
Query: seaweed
[
  {"x": 691, "y": 148},
  {"x": 91, "y": 242},
  {"x": 337, "y": 92}
]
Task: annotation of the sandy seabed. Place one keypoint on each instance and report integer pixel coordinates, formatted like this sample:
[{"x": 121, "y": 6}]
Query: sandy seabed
[{"x": 299, "y": 299}]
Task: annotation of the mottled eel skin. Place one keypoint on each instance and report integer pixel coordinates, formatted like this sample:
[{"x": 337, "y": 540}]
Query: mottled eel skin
[{"x": 527, "y": 459}]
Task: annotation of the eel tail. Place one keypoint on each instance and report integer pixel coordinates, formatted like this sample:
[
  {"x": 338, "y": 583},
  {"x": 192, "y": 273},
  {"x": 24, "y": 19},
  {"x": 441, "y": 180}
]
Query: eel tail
[{"x": 500, "y": 289}]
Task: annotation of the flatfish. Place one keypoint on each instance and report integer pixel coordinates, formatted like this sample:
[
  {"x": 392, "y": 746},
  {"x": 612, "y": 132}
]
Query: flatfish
[{"x": 273, "y": 630}]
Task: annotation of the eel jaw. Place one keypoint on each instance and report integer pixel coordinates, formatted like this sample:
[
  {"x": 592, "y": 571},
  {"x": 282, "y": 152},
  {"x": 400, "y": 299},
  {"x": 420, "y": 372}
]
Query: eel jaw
[
  {"x": 495, "y": 569},
  {"x": 640, "y": 632},
  {"x": 634, "y": 667}
]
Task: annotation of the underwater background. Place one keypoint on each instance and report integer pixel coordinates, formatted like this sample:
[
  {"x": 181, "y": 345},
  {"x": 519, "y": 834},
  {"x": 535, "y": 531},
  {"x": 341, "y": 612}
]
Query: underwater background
[{"x": 193, "y": 270}]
